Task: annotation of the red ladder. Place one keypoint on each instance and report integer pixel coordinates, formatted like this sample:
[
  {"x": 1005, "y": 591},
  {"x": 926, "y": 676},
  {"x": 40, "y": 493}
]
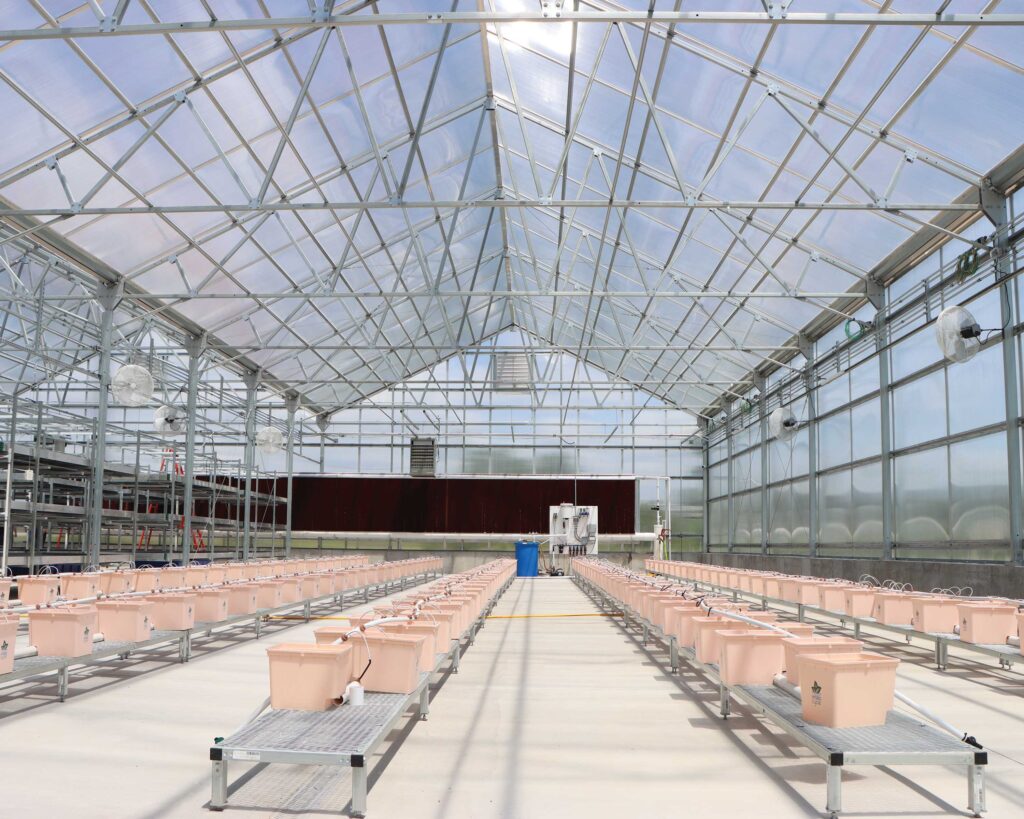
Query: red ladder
[{"x": 146, "y": 535}]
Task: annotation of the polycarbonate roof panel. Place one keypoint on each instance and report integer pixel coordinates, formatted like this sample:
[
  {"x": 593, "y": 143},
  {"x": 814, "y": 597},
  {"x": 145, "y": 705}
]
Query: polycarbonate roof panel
[{"x": 317, "y": 198}]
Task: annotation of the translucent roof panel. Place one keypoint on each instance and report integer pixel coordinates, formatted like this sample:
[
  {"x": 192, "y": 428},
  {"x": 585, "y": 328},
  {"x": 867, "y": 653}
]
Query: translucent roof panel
[{"x": 344, "y": 206}]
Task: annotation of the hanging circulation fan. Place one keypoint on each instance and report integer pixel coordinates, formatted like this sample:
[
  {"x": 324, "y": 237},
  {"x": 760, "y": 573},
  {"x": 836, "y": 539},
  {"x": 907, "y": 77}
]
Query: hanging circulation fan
[
  {"x": 269, "y": 440},
  {"x": 782, "y": 424},
  {"x": 132, "y": 385},
  {"x": 958, "y": 334},
  {"x": 169, "y": 420}
]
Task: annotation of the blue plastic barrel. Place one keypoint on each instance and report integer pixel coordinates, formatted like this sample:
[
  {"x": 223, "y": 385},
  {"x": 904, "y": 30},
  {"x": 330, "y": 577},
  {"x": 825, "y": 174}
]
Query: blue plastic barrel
[{"x": 526, "y": 558}]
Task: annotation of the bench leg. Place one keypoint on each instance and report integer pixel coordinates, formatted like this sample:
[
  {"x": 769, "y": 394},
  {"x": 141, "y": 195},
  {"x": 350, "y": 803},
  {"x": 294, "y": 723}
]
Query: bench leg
[
  {"x": 455, "y": 656},
  {"x": 976, "y": 789},
  {"x": 62, "y": 682},
  {"x": 723, "y": 700},
  {"x": 219, "y": 785},
  {"x": 306, "y": 610},
  {"x": 673, "y": 653},
  {"x": 359, "y": 790},
  {"x": 424, "y": 702},
  {"x": 833, "y": 789}
]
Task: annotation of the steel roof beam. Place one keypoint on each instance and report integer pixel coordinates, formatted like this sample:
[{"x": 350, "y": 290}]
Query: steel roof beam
[{"x": 348, "y": 20}]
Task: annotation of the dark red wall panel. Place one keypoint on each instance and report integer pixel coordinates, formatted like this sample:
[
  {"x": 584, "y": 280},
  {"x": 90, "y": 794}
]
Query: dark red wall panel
[{"x": 502, "y": 505}]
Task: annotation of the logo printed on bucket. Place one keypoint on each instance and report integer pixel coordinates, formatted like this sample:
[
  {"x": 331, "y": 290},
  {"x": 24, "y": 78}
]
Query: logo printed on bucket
[{"x": 816, "y": 693}]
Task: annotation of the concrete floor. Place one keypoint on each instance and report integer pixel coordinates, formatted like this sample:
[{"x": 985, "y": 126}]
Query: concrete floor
[{"x": 549, "y": 716}]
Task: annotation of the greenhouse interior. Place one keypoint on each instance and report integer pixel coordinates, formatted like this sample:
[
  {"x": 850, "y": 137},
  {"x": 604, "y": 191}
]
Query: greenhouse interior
[{"x": 429, "y": 410}]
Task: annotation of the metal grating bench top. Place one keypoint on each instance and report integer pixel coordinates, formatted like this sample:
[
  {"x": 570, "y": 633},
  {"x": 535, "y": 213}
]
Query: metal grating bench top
[
  {"x": 901, "y": 734},
  {"x": 342, "y": 731}
]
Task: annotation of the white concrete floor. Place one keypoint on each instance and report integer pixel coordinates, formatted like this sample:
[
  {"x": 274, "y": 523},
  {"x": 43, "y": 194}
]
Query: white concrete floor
[{"x": 549, "y": 716}]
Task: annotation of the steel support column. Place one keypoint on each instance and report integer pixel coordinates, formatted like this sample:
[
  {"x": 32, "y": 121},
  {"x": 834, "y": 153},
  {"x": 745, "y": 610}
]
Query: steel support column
[
  {"x": 194, "y": 347},
  {"x": 996, "y": 207},
  {"x": 705, "y": 493},
  {"x": 292, "y": 403},
  {"x": 878, "y": 298},
  {"x": 807, "y": 348},
  {"x": 730, "y": 504},
  {"x": 9, "y": 488},
  {"x": 108, "y": 296},
  {"x": 322, "y": 422},
  {"x": 762, "y": 422},
  {"x": 251, "y": 384}
]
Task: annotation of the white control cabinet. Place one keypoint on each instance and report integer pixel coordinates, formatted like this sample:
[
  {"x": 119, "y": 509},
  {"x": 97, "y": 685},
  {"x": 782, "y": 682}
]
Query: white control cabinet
[{"x": 573, "y": 529}]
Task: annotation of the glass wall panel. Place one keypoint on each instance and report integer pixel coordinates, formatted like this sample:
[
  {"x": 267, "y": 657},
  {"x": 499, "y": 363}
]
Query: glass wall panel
[
  {"x": 921, "y": 489},
  {"x": 718, "y": 480},
  {"x": 747, "y": 509},
  {"x": 919, "y": 410},
  {"x": 717, "y": 524},
  {"x": 914, "y": 353},
  {"x": 864, "y": 379},
  {"x": 691, "y": 462},
  {"x": 835, "y": 524},
  {"x": 788, "y": 459},
  {"x": 650, "y": 462},
  {"x": 746, "y": 470},
  {"x": 649, "y": 494},
  {"x": 866, "y": 432},
  {"x": 866, "y": 504},
  {"x": 979, "y": 507},
  {"x": 834, "y": 440},
  {"x": 976, "y": 392},
  {"x": 788, "y": 513},
  {"x": 950, "y": 490}
]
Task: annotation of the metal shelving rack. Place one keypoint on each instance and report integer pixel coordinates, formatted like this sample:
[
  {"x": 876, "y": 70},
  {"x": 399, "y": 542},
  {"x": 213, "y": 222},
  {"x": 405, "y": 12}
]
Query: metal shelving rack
[{"x": 46, "y": 492}]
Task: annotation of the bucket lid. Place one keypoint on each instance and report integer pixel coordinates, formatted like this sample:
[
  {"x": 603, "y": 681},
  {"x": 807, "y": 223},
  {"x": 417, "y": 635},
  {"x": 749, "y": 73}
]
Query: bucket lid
[
  {"x": 309, "y": 648},
  {"x": 820, "y": 640},
  {"x": 753, "y": 635},
  {"x": 861, "y": 659},
  {"x": 66, "y": 611},
  {"x": 991, "y": 607}
]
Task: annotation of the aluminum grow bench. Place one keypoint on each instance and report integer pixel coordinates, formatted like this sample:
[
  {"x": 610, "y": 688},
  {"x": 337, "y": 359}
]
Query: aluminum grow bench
[
  {"x": 903, "y": 740},
  {"x": 26, "y": 667},
  {"x": 1006, "y": 653},
  {"x": 341, "y": 736}
]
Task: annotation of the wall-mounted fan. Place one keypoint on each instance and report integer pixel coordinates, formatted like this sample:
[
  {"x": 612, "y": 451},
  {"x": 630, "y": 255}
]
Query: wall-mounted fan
[
  {"x": 958, "y": 334},
  {"x": 782, "y": 424},
  {"x": 169, "y": 420},
  {"x": 269, "y": 440},
  {"x": 132, "y": 385}
]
